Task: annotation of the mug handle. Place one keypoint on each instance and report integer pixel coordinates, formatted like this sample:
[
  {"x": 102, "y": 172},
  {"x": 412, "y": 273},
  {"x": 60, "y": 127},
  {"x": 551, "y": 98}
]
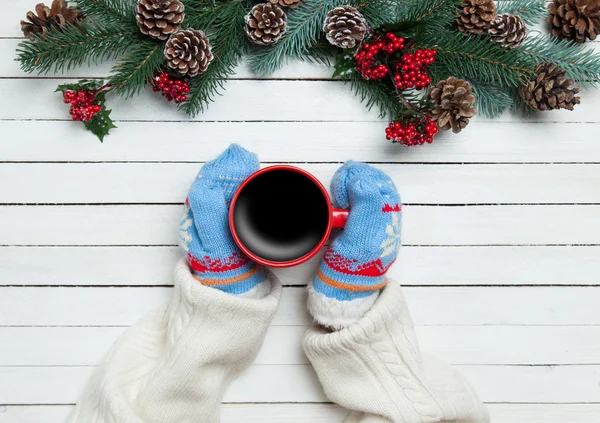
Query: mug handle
[{"x": 339, "y": 218}]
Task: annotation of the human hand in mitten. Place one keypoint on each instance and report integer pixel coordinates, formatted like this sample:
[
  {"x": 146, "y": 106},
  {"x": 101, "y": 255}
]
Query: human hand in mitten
[
  {"x": 353, "y": 270},
  {"x": 204, "y": 233}
]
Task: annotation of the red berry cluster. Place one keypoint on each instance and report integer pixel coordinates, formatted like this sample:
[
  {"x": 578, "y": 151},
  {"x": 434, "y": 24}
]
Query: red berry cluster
[
  {"x": 365, "y": 57},
  {"x": 410, "y": 72},
  {"x": 82, "y": 104},
  {"x": 414, "y": 133},
  {"x": 170, "y": 87}
]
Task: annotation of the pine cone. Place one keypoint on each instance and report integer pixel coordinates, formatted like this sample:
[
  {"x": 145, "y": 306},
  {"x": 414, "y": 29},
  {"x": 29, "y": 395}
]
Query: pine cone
[
  {"x": 345, "y": 26},
  {"x": 265, "y": 24},
  {"x": 508, "y": 30},
  {"x": 550, "y": 89},
  {"x": 46, "y": 17},
  {"x": 160, "y": 18},
  {"x": 476, "y": 16},
  {"x": 188, "y": 52},
  {"x": 575, "y": 19},
  {"x": 454, "y": 99},
  {"x": 292, "y": 4}
]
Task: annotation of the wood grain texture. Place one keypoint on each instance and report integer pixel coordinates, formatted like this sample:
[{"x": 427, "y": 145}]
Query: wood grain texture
[
  {"x": 244, "y": 101},
  {"x": 489, "y": 345},
  {"x": 326, "y": 413},
  {"x": 497, "y": 218},
  {"x": 298, "y": 383},
  {"x": 96, "y": 183},
  {"x": 436, "y": 306},
  {"x": 489, "y": 142}
]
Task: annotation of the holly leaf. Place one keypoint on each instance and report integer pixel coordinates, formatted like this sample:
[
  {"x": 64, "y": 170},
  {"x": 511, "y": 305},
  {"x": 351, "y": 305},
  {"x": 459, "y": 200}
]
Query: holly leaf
[
  {"x": 345, "y": 65},
  {"x": 101, "y": 123},
  {"x": 83, "y": 85}
]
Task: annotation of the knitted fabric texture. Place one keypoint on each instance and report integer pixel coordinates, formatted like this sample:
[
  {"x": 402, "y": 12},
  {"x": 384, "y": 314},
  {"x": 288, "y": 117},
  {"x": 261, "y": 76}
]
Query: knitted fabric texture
[
  {"x": 375, "y": 368},
  {"x": 175, "y": 364},
  {"x": 354, "y": 268},
  {"x": 204, "y": 233}
]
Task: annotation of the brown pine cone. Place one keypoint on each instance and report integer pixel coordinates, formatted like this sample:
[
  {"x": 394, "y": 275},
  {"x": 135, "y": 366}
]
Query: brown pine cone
[
  {"x": 265, "y": 24},
  {"x": 160, "y": 18},
  {"x": 454, "y": 99},
  {"x": 550, "y": 89},
  {"x": 508, "y": 30},
  {"x": 345, "y": 26},
  {"x": 476, "y": 16},
  {"x": 292, "y": 4},
  {"x": 46, "y": 17},
  {"x": 188, "y": 52},
  {"x": 575, "y": 19}
]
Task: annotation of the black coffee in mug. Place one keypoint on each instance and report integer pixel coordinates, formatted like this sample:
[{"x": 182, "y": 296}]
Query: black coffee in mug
[{"x": 281, "y": 215}]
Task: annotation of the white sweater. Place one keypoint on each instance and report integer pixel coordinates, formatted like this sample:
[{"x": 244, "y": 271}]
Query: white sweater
[{"x": 176, "y": 363}]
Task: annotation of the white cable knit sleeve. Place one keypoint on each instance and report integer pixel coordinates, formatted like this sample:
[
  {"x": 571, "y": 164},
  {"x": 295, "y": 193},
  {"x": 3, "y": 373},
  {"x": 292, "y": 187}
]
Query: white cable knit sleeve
[
  {"x": 374, "y": 368},
  {"x": 176, "y": 363}
]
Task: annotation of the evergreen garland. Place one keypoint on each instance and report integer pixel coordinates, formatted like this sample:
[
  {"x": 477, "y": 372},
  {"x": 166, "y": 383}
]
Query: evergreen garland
[{"x": 468, "y": 66}]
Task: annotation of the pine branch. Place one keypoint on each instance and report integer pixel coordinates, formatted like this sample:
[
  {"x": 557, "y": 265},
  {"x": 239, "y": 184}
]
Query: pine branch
[
  {"x": 418, "y": 14},
  {"x": 491, "y": 101},
  {"x": 201, "y": 14},
  {"x": 229, "y": 43},
  {"x": 305, "y": 25},
  {"x": 531, "y": 11},
  {"x": 322, "y": 53},
  {"x": 72, "y": 46},
  {"x": 109, "y": 11},
  {"x": 476, "y": 59},
  {"x": 581, "y": 63},
  {"x": 518, "y": 105},
  {"x": 378, "y": 12},
  {"x": 131, "y": 74},
  {"x": 376, "y": 94}
]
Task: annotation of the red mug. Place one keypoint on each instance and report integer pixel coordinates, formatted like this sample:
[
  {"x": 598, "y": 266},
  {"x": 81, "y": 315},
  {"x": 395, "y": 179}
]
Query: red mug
[{"x": 281, "y": 216}]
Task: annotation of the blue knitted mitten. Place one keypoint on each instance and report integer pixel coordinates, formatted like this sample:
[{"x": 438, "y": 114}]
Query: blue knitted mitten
[
  {"x": 353, "y": 269},
  {"x": 204, "y": 233}
]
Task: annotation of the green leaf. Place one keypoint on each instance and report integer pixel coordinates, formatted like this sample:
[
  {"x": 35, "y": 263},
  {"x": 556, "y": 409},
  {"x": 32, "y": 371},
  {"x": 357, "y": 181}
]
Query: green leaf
[
  {"x": 304, "y": 28},
  {"x": 229, "y": 43},
  {"x": 345, "y": 65},
  {"x": 72, "y": 46},
  {"x": 414, "y": 14},
  {"x": 133, "y": 71},
  {"x": 84, "y": 84},
  {"x": 476, "y": 59},
  {"x": 531, "y": 11},
  {"x": 101, "y": 123},
  {"x": 581, "y": 63},
  {"x": 109, "y": 11},
  {"x": 491, "y": 101}
]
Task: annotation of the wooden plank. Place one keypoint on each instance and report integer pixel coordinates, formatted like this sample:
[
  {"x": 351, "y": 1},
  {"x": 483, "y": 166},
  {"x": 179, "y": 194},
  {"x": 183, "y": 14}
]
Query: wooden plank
[
  {"x": 483, "y": 345},
  {"x": 439, "y": 306},
  {"x": 262, "y": 383},
  {"x": 196, "y": 142},
  {"x": 243, "y": 100},
  {"x": 326, "y": 413},
  {"x": 422, "y": 225},
  {"x": 490, "y": 142},
  {"x": 418, "y": 183},
  {"x": 131, "y": 266}
]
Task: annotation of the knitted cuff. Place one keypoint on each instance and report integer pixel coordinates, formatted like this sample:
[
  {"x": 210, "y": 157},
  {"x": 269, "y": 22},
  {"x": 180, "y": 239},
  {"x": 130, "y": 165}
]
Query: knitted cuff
[{"x": 336, "y": 314}]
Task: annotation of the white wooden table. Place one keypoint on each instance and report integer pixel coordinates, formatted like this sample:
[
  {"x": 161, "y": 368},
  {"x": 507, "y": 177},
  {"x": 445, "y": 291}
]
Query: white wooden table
[{"x": 501, "y": 239}]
